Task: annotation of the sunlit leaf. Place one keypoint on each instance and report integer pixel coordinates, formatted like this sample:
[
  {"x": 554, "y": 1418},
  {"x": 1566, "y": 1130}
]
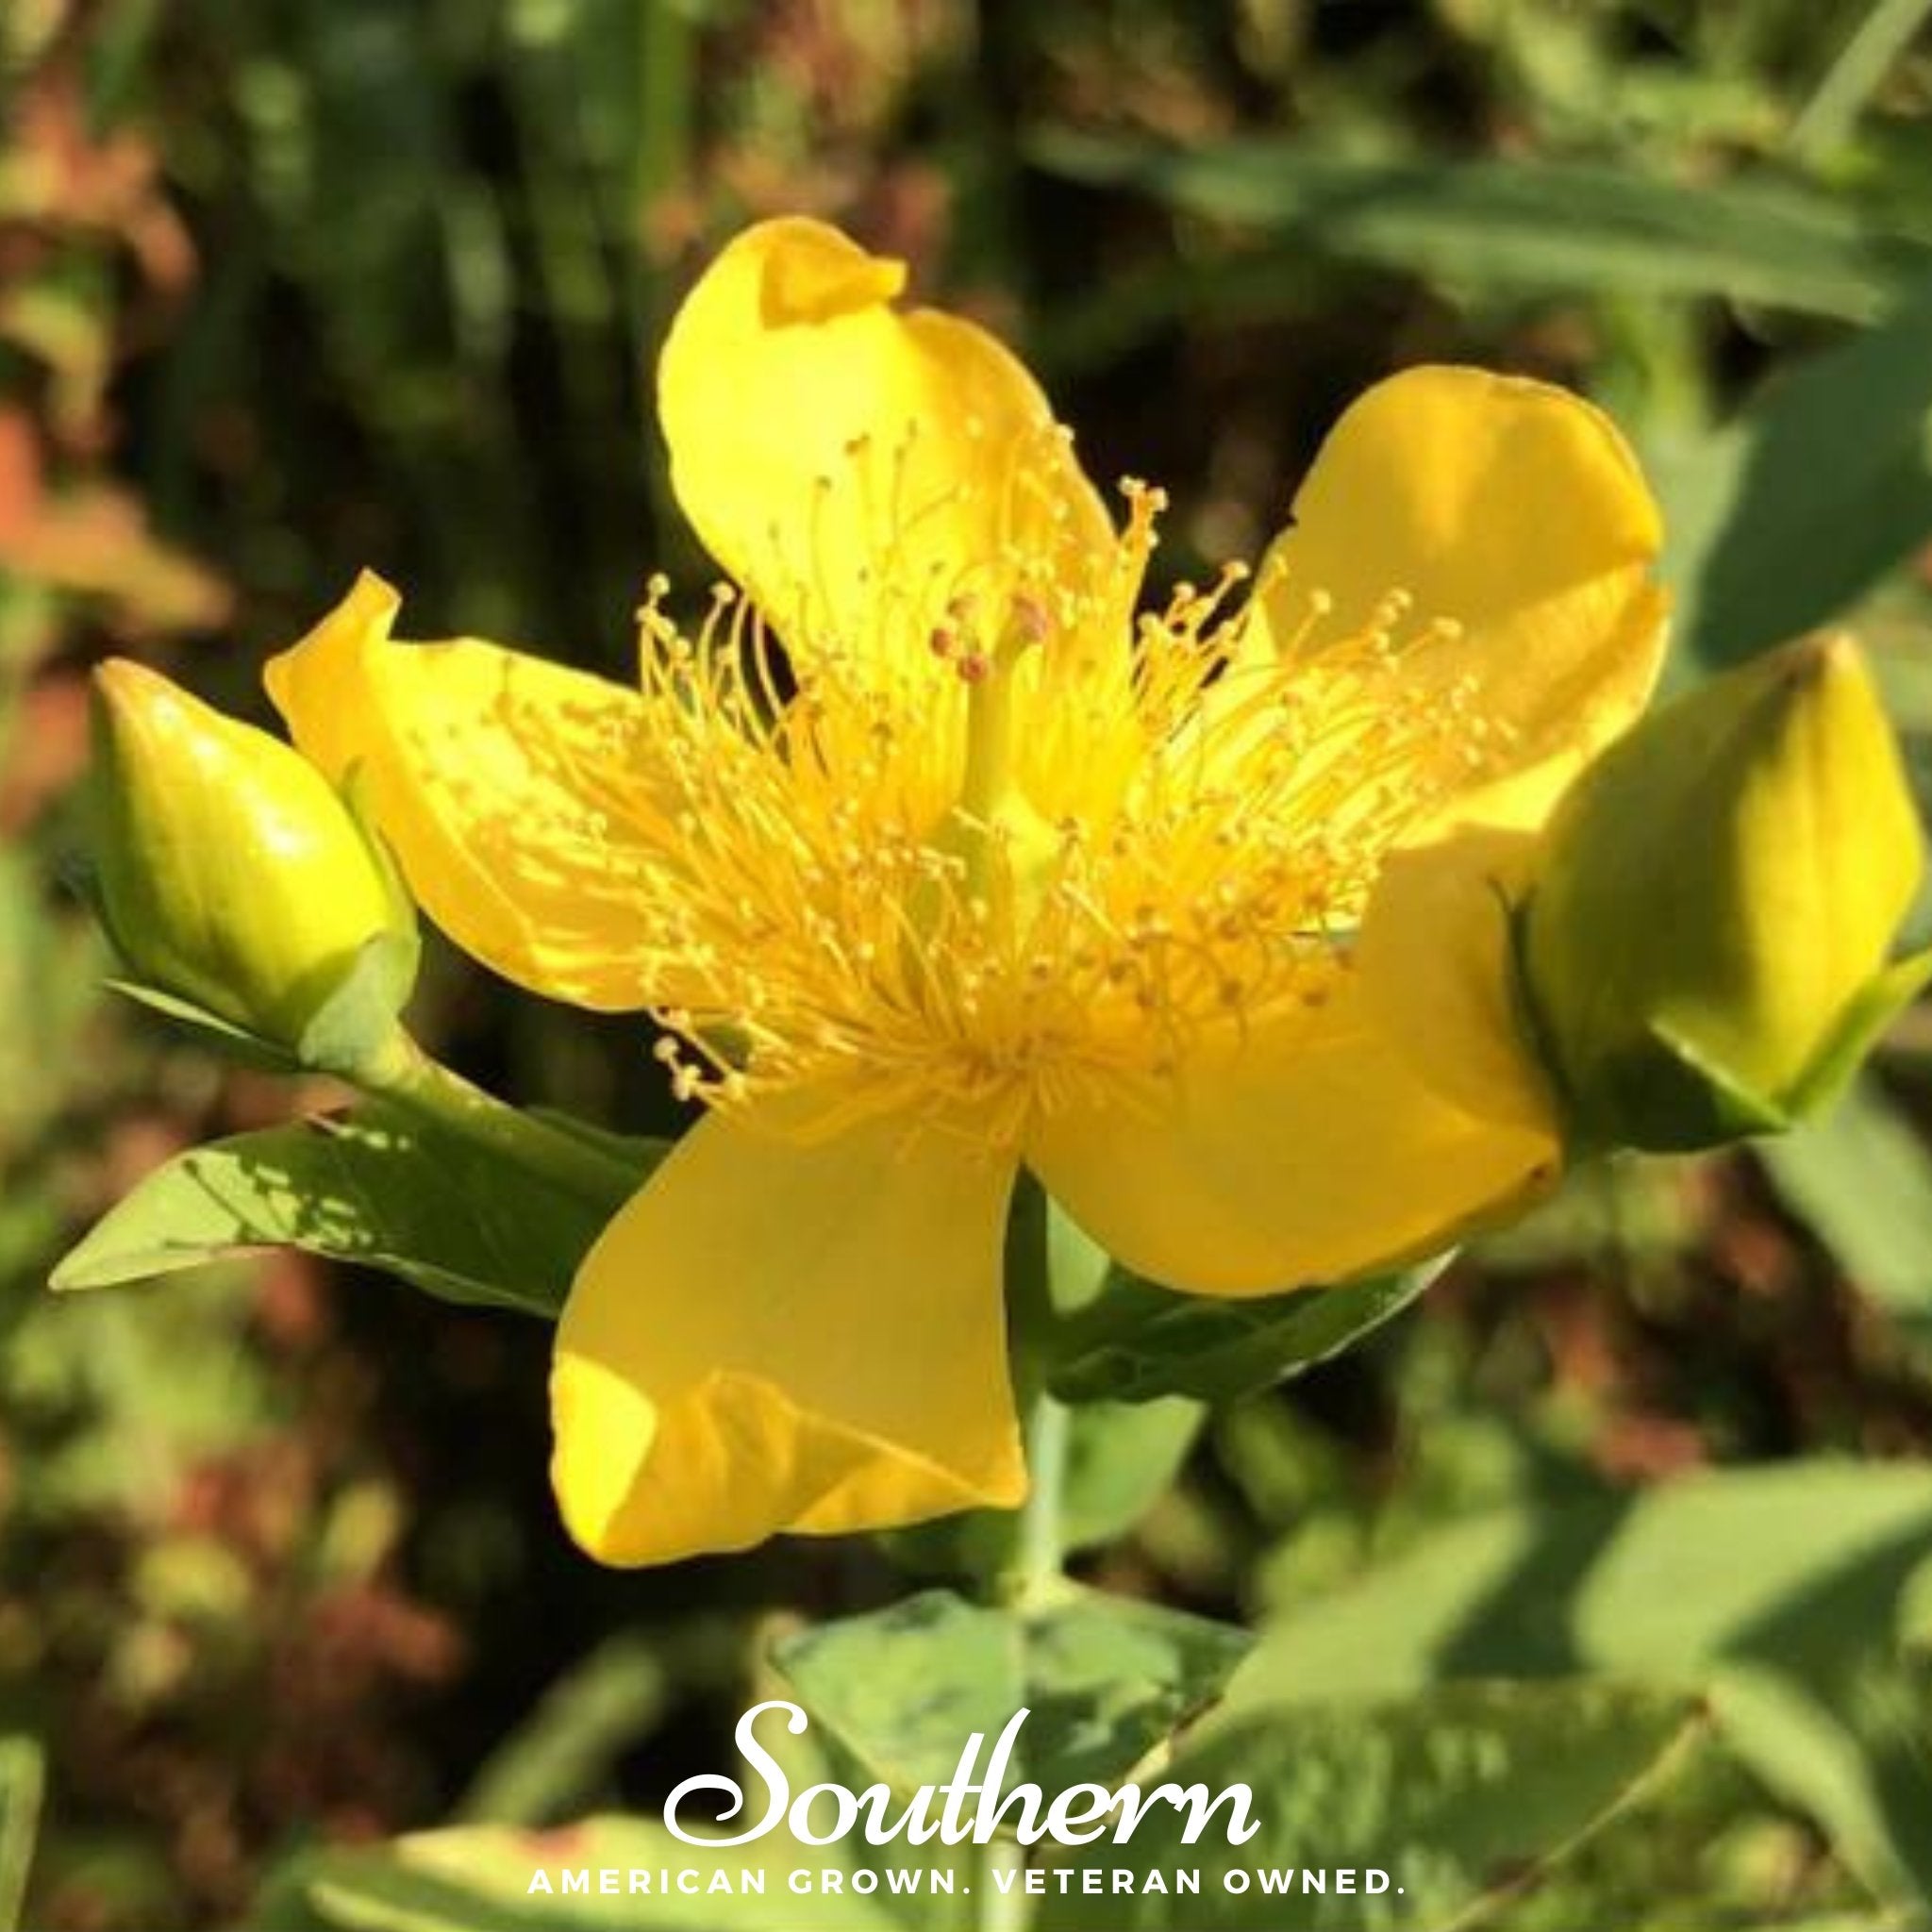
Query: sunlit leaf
[{"x": 372, "y": 1188}]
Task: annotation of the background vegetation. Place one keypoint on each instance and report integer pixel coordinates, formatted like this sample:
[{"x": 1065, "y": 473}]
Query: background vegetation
[{"x": 297, "y": 287}]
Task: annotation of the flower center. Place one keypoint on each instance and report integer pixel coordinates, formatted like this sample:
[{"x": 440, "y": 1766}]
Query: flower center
[{"x": 1030, "y": 856}]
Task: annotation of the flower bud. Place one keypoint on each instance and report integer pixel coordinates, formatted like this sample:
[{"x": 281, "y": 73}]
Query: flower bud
[
  {"x": 230, "y": 874},
  {"x": 1706, "y": 951}
]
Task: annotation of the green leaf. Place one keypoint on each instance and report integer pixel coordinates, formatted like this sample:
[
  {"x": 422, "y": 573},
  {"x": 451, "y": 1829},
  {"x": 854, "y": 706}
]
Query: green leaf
[
  {"x": 552, "y": 1761},
  {"x": 1105, "y": 1680},
  {"x": 477, "y": 1879},
  {"x": 1461, "y": 1796},
  {"x": 1521, "y": 226},
  {"x": 22, "y": 1784},
  {"x": 1137, "y": 1342},
  {"x": 1108, "y": 1680},
  {"x": 1122, "y": 1457},
  {"x": 1860, "y": 1178},
  {"x": 1775, "y": 1590},
  {"x": 1781, "y": 520},
  {"x": 373, "y": 1188}
]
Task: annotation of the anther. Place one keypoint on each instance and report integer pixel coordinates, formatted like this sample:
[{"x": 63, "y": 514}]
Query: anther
[{"x": 1031, "y": 622}]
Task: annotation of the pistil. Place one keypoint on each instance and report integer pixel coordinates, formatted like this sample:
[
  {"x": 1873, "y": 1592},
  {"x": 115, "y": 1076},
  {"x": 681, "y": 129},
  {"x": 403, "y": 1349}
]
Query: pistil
[{"x": 991, "y": 806}]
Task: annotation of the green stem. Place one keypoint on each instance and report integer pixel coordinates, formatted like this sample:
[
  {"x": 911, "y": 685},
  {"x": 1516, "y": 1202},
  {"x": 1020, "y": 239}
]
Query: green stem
[
  {"x": 1029, "y": 1567},
  {"x": 407, "y": 1077},
  {"x": 1028, "y": 1573},
  {"x": 1033, "y": 1574},
  {"x": 1002, "y": 1910}
]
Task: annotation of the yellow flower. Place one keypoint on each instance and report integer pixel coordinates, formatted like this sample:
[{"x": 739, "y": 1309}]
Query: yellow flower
[{"x": 931, "y": 860}]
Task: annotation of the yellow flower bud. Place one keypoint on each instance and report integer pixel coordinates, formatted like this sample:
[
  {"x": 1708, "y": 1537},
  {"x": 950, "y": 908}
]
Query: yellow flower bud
[
  {"x": 232, "y": 877},
  {"x": 1707, "y": 949}
]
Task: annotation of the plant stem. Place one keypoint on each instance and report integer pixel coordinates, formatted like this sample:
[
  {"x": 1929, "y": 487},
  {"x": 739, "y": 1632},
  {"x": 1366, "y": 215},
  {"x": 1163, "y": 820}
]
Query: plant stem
[
  {"x": 1002, "y": 1910},
  {"x": 1033, "y": 1572},
  {"x": 1028, "y": 1571},
  {"x": 407, "y": 1077}
]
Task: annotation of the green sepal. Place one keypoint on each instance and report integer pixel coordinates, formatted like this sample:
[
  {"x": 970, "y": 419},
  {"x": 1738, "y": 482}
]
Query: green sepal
[
  {"x": 1670, "y": 1096},
  {"x": 359, "y": 1018},
  {"x": 1678, "y": 1099},
  {"x": 1864, "y": 1020},
  {"x": 251, "y": 1049}
]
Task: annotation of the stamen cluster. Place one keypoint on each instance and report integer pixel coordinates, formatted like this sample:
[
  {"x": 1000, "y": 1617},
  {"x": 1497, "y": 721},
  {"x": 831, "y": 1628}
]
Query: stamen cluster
[{"x": 1001, "y": 843}]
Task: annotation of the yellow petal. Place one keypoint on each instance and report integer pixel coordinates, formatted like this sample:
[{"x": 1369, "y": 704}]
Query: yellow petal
[
  {"x": 854, "y": 465},
  {"x": 782, "y": 1336},
  {"x": 489, "y": 774},
  {"x": 1307, "y": 1154},
  {"x": 1510, "y": 507},
  {"x": 1435, "y": 952}
]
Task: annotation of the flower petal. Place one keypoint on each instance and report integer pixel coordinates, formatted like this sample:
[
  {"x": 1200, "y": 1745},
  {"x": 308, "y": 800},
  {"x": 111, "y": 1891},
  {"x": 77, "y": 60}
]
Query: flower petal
[
  {"x": 1308, "y": 1153},
  {"x": 854, "y": 465},
  {"x": 1510, "y": 507},
  {"x": 783, "y": 1336},
  {"x": 489, "y": 774},
  {"x": 1435, "y": 953}
]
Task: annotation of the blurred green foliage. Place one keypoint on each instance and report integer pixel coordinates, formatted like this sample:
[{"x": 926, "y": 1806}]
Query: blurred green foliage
[{"x": 291, "y": 289}]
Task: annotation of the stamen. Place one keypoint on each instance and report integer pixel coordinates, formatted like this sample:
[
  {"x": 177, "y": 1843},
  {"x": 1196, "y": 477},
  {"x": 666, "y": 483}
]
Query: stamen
[{"x": 1041, "y": 861}]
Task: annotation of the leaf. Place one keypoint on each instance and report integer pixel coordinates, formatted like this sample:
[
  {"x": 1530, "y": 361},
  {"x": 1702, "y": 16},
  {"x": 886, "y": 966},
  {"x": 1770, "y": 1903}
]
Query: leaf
[
  {"x": 1797, "y": 1564},
  {"x": 478, "y": 1878},
  {"x": 1781, "y": 520},
  {"x": 23, "y": 1784},
  {"x": 1105, "y": 1680},
  {"x": 1138, "y": 1341},
  {"x": 1460, "y": 1796},
  {"x": 1108, "y": 1680},
  {"x": 553, "y": 1761},
  {"x": 1860, "y": 1178},
  {"x": 372, "y": 1188},
  {"x": 1520, "y": 227},
  {"x": 1122, "y": 1457},
  {"x": 1777, "y": 1590}
]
